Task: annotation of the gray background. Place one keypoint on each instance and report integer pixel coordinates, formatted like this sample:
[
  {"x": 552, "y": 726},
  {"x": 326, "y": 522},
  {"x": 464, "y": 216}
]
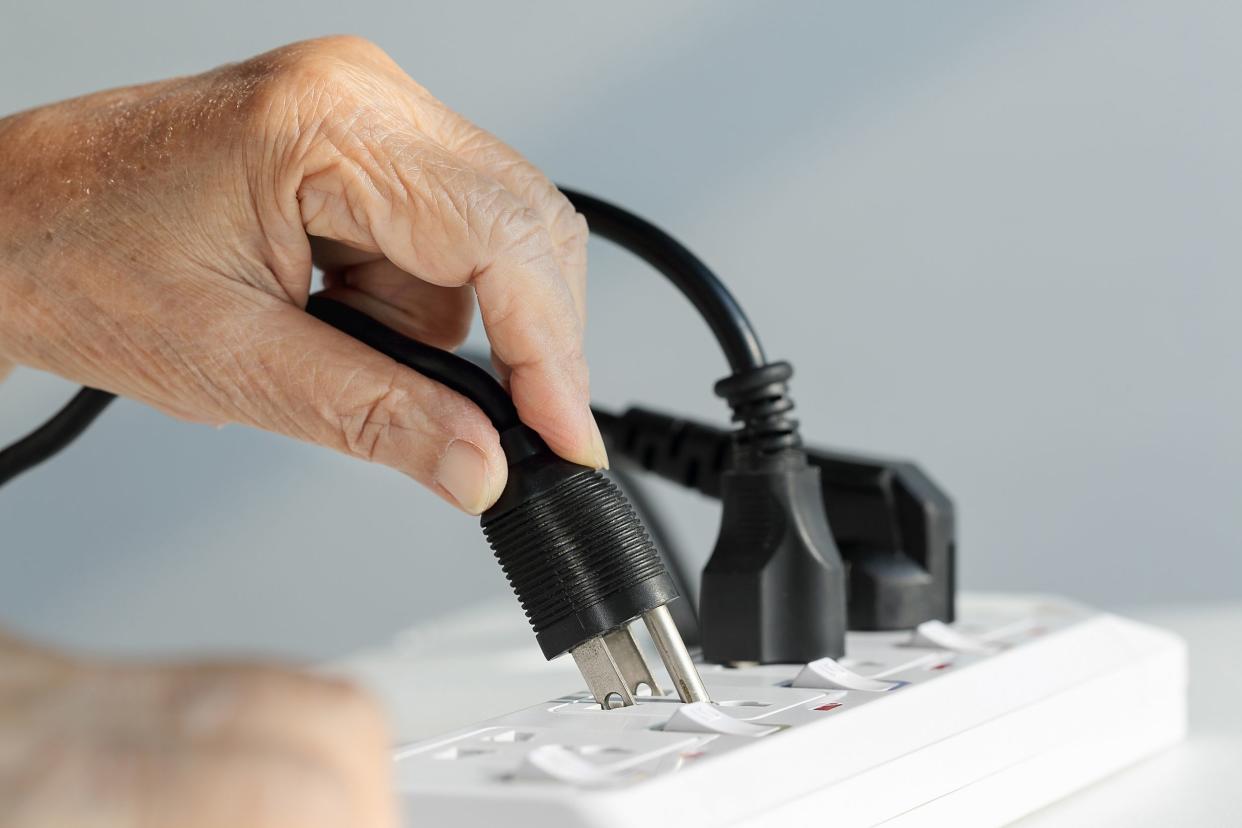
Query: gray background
[{"x": 1001, "y": 239}]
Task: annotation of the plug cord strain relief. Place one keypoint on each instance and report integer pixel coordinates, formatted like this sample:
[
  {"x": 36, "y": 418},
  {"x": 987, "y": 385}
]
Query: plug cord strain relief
[{"x": 759, "y": 399}]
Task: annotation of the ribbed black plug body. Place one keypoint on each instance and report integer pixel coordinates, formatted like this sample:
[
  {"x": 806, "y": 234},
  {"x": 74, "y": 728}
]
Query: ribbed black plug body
[{"x": 572, "y": 547}]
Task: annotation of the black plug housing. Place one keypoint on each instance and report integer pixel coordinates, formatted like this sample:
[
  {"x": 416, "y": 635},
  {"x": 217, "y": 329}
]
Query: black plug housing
[
  {"x": 571, "y": 546},
  {"x": 894, "y": 526},
  {"x": 774, "y": 588},
  {"x": 898, "y": 534}
]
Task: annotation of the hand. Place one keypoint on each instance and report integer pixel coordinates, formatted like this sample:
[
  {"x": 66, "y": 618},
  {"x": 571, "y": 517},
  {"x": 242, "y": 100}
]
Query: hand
[
  {"x": 197, "y": 745},
  {"x": 157, "y": 241}
]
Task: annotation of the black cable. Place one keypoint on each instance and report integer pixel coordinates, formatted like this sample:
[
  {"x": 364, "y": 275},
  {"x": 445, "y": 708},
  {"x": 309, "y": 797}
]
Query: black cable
[
  {"x": 450, "y": 370},
  {"x": 48, "y": 439},
  {"x": 685, "y": 270},
  {"x": 459, "y": 374}
]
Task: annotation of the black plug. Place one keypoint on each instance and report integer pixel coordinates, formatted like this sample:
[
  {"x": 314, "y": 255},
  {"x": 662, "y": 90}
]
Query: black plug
[
  {"x": 894, "y": 526},
  {"x": 584, "y": 568},
  {"x": 774, "y": 588},
  {"x": 571, "y": 546}
]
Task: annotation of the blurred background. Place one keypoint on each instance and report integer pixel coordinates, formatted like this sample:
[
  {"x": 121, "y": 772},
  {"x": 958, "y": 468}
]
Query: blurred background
[{"x": 1001, "y": 239}]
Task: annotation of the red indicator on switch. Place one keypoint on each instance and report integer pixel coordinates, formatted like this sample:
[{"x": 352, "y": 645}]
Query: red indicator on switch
[
  {"x": 830, "y": 706},
  {"x": 943, "y": 666}
]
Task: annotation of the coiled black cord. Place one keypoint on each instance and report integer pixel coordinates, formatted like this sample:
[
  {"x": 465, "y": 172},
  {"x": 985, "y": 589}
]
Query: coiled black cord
[
  {"x": 756, "y": 391},
  {"x": 687, "y": 271}
]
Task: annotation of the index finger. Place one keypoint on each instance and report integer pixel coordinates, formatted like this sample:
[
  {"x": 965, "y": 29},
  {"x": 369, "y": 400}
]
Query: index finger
[
  {"x": 497, "y": 159},
  {"x": 535, "y": 330},
  {"x": 438, "y": 218}
]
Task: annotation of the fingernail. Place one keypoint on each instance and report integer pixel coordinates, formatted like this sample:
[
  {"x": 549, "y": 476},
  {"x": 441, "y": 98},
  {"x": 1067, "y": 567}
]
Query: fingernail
[
  {"x": 598, "y": 450},
  {"x": 463, "y": 474}
]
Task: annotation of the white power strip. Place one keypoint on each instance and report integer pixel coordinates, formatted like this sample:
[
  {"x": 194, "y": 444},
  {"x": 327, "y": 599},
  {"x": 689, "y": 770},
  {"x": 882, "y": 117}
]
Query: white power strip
[{"x": 978, "y": 723}]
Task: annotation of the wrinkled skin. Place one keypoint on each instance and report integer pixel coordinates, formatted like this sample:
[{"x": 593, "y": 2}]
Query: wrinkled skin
[{"x": 158, "y": 241}]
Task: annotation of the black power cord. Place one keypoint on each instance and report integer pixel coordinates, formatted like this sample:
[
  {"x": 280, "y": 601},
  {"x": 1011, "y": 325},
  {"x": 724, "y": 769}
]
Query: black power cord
[
  {"x": 895, "y": 527},
  {"x": 691, "y": 275},
  {"x": 573, "y": 549},
  {"x": 571, "y": 546},
  {"x": 461, "y": 375},
  {"x": 52, "y": 437},
  {"x": 685, "y": 270},
  {"x": 773, "y": 589}
]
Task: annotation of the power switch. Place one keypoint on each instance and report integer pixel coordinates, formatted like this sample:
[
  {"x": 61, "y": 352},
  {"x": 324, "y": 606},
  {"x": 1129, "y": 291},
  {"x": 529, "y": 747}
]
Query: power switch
[
  {"x": 940, "y": 635},
  {"x": 702, "y": 717},
  {"x": 827, "y": 674}
]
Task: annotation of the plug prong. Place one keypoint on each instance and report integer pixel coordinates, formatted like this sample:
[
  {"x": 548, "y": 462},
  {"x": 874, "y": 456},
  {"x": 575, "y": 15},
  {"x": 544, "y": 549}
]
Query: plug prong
[
  {"x": 602, "y": 674},
  {"x": 675, "y": 656},
  {"x": 634, "y": 668},
  {"x": 614, "y": 667}
]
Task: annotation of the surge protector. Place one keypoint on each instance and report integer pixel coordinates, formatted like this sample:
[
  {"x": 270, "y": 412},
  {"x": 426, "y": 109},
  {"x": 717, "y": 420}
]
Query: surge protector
[{"x": 1020, "y": 702}]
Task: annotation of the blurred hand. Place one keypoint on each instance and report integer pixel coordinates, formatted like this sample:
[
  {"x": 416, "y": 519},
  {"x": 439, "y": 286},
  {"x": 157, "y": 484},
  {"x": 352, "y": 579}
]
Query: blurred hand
[
  {"x": 157, "y": 241},
  {"x": 195, "y": 746}
]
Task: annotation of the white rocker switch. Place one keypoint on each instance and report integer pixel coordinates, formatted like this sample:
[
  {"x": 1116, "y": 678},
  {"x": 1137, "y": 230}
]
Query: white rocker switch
[
  {"x": 941, "y": 635},
  {"x": 703, "y": 717},
  {"x": 561, "y": 764},
  {"x": 827, "y": 674}
]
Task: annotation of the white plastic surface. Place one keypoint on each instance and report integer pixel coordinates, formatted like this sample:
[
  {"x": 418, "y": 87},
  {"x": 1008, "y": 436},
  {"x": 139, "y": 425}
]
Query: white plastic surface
[{"x": 1019, "y": 703}]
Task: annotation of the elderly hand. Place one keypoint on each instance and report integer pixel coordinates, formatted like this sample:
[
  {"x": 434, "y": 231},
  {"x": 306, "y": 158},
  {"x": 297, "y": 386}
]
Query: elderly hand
[
  {"x": 157, "y": 241},
  {"x": 195, "y": 746}
]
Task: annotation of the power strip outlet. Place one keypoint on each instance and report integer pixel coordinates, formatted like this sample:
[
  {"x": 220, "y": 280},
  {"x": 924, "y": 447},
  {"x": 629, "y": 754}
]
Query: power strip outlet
[{"x": 1020, "y": 702}]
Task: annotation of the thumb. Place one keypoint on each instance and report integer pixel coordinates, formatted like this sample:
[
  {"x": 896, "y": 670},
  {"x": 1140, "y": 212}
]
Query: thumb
[{"x": 325, "y": 387}]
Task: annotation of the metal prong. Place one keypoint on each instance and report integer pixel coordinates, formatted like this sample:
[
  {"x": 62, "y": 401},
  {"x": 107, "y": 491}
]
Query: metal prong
[
  {"x": 603, "y": 676},
  {"x": 673, "y": 653},
  {"x": 633, "y": 667}
]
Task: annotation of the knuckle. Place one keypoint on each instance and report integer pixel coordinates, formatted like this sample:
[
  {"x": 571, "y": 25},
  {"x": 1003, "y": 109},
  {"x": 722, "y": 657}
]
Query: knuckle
[
  {"x": 328, "y": 55},
  {"x": 349, "y": 47},
  {"x": 304, "y": 74},
  {"x": 366, "y": 424},
  {"x": 568, "y": 225},
  {"x": 518, "y": 228},
  {"x": 571, "y": 232},
  {"x": 308, "y": 71},
  {"x": 574, "y": 228}
]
